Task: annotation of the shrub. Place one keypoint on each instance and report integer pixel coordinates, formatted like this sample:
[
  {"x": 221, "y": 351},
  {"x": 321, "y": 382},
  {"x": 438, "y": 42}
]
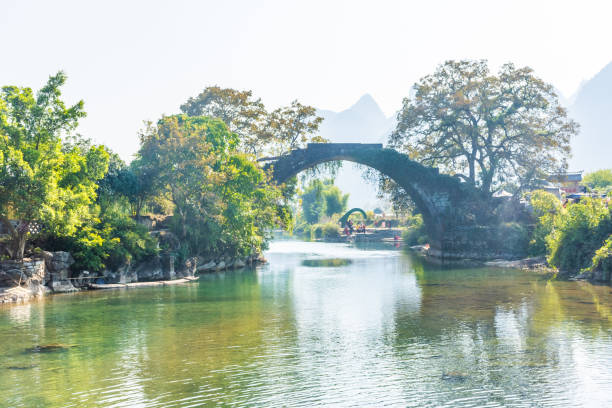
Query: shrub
[
  {"x": 326, "y": 231},
  {"x": 577, "y": 234},
  {"x": 109, "y": 243},
  {"x": 331, "y": 230},
  {"x": 602, "y": 261},
  {"x": 415, "y": 234},
  {"x": 316, "y": 231},
  {"x": 545, "y": 207}
]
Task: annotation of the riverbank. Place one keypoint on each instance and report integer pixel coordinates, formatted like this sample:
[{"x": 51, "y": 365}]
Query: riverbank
[
  {"x": 31, "y": 279},
  {"x": 371, "y": 235},
  {"x": 535, "y": 264}
]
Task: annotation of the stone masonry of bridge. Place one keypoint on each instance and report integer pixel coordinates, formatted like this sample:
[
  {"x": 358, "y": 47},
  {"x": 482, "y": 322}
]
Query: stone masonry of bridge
[{"x": 451, "y": 209}]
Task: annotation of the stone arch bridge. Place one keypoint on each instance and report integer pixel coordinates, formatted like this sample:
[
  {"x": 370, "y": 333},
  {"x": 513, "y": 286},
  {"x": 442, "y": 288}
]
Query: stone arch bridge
[{"x": 450, "y": 208}]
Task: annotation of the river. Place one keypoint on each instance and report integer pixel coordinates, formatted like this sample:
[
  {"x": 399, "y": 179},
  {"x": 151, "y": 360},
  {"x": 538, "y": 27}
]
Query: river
[{"x": 320, "y": 325}]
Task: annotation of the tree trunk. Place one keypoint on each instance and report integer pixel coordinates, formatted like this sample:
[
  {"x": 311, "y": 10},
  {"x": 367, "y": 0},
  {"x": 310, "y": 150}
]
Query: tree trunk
[
  {"x": 472, "y": 168},
  {"x": 19, "y": 243},
  {"x": 19, "y": 235}
]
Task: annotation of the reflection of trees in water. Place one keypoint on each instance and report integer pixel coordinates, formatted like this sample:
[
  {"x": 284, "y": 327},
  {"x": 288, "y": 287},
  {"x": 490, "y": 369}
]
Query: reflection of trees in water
[
  {"x": 504, "y": 327},
  {"x": 225, "y": 344}
]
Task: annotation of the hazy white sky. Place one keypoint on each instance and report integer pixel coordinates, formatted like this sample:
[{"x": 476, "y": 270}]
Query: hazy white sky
[{"x": 134, "y": 60}]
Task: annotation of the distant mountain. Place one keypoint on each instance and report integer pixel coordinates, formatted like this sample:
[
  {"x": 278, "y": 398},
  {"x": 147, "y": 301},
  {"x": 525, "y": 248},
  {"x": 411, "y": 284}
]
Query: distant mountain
[
  {"x": 364, "y": 122},
  {"x": 592, "y": 108}
]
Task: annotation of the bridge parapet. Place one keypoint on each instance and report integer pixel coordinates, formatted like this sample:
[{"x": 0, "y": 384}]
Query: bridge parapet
[{"x": 316, "y": 146}]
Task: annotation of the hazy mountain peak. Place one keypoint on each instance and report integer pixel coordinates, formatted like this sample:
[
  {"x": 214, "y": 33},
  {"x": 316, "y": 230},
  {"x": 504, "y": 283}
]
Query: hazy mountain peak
[
  {"x": 593, "y": 110},
  {"x": 363, "y": 122},
  {"x": 367, "y": 104}
]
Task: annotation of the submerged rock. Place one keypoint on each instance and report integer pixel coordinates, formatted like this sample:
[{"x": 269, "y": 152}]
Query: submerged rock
[
  {"x": 454, "y": 376},
  {"x": 26, "y": 367},
  {"x": 206, "y": 266},
  {"x": 50, "y": 348}
]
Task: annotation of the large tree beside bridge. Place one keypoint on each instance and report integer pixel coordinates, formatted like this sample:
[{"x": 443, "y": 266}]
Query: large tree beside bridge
[{"x": 491, "y": 130}]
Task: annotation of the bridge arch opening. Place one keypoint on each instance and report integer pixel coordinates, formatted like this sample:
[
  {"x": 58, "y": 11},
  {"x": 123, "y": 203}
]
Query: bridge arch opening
[
  {"x": 435, "y": 195},
  {"x": 344, "y": 219}
]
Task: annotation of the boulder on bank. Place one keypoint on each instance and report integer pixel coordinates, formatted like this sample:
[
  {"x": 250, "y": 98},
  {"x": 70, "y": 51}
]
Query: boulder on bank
[
  {"x": 58, "y": 268},
  {"x": 21, "y": 281},
  {"x": 24, "y": 273},
  {"x": 123, "y": 274},
  {"x": 189, "y": 268},
  {"x": 239, "y": 263},
  {"x": 203, "y": 266}
]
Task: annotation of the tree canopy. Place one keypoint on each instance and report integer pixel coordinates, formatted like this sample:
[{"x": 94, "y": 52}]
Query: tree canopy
[
  {"x": 600, "y": 180},
  {"x": 259, "y": 131},
  {"x": 487, "y": 129},
  {"x": 44, "y": 180},
  {"x": 221, "y": 200},
  {"x": 322, "y": 198}
]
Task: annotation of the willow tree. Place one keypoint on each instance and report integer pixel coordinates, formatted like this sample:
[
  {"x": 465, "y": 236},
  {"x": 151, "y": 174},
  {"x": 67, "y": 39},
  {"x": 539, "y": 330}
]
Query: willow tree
[
  {"x": 490, "y": 130},
  {"x": 45, "y": 182}
]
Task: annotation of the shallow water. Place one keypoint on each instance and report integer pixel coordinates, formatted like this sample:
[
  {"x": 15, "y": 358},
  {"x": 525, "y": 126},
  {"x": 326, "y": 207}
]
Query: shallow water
[{"x": 381, "y": 329}]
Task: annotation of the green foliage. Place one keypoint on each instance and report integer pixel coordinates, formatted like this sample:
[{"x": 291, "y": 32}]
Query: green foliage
[
  {"x": 602, "y": 261},
  {"x": 108, "y": 243},
  {"x": 222, "y": 201},
  {"x": 259, "y": 131},
  {"x": 43, "y": 179},
  {"x": 190, "y": 166},
  {"x": 291, "y": 126},
  {"x": 322, "y": 198},
  {"x": 127, "y": 184},
  {"x": 329, "y": 231},
  {"x": 545, "y": 207},
  {"x": 578, "y": 232},
  {"x": 335, "y": 201},
  {"x": 415, "y": 234},
  {"x": 600, "y": 180},
  {"x": 313, "y": 202},
  {"x": 243, "y": 115}
]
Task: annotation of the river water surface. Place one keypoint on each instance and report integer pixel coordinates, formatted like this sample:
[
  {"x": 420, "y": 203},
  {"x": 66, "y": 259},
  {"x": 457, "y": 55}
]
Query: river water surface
[{"x": 319, "y": 325}]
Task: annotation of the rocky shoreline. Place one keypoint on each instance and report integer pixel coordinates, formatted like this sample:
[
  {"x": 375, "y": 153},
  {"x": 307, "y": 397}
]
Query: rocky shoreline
[{"x": 49, "y": 272}]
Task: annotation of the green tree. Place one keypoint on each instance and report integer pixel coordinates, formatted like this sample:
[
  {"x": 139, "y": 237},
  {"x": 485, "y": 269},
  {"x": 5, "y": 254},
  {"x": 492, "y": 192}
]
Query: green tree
[
  {"x": 313, "y": 202},
  {"x": 243, "y": 114},
  {"x": 335, "y": 201},
  {"x": 577, "y": 233},
  {"x": 545, "y": 207},
  {"x": 487, "y": 129},
  {"x": 600, "y": 180},
  {"x": 222, "y": 200},
  {"x": 44, "y": 181},
  {"x": 293, "y": 126},
  {"x": 259, "y": 131},
  {"x": 127, "y": 185},
  {"x": 183, "y": 152}
]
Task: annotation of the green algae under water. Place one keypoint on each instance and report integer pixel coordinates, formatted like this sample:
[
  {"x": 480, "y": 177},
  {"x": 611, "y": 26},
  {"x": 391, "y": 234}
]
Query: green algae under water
[{"x": 383, "y": 329}]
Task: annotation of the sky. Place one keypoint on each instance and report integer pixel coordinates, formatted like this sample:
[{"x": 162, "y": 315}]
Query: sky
[{"x": 132, "y": 61}]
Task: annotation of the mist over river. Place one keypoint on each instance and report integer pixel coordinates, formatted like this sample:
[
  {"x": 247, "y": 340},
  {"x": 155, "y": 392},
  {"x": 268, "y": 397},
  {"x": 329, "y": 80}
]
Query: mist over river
[{"x": 320, "y": 324}]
